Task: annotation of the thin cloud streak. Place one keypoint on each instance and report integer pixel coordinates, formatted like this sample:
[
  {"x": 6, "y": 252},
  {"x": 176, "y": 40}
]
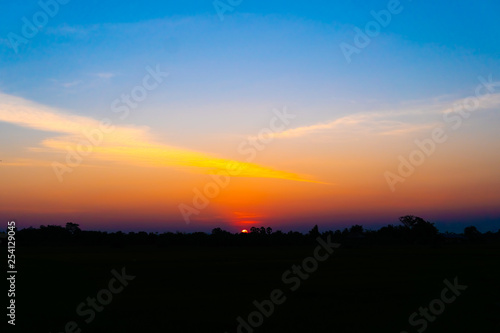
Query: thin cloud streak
[
  {"x": 387, "y": 123},
  {"x": 133, "y": 145}
]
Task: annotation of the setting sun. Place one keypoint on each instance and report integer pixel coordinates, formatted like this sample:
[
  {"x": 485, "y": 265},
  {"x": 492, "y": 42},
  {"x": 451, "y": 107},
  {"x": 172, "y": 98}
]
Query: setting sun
[{"x": 356, "y": 141}]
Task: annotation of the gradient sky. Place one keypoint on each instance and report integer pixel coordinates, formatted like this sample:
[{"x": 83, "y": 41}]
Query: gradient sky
[{"x": 434, "y": 67}]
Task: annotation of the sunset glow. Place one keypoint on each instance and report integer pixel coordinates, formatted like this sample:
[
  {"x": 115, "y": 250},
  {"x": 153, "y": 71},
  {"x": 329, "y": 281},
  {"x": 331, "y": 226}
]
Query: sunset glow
[{"x": 191, "y": 122}]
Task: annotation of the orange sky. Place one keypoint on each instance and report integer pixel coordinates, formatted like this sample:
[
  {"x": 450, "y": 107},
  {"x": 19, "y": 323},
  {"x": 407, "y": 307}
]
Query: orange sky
[{"x": 325, "y": 176}]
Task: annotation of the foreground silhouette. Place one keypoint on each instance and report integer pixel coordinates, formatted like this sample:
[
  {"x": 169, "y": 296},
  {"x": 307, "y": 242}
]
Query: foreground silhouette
[
  {"x": 198, "y": 282},
  {"x": 413, "y": 231}
]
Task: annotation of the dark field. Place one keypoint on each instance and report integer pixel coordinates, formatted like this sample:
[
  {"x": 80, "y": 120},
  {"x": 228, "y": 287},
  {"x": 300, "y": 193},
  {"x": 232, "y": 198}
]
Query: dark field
[{"x": 206, "y": 289}]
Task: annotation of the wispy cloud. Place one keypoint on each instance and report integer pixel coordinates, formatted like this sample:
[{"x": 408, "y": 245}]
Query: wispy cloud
[
  {"x": 404, "y": 128},
  {"x": 105, "y": 75},
  {"x": 484, "y": 102},
  {"x": 71, "y": 84},
  {"x": 323, "y": 127},
  {"x": 129, "y": 144},
  {"x": 72, "y": 30},
  {"x": 409, "y": 118}
]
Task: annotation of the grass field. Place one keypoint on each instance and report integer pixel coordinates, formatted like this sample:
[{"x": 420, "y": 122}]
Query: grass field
[{"x": 206, "y": 289}]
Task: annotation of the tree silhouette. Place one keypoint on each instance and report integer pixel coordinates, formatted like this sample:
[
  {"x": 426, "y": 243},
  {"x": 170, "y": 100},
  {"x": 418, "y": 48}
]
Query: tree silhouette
[
  {"x": 471, "y": 233},
  {"x": 424, "y": 231},
  {"x": 356, "y": 229},
  {"x": 73, "y": 228},
  {"x": 410, "y": 220},
  {"x": 217, "y": 231},
  {"x": 314, "y": 233},
  {"x": 413, "y": 231}
]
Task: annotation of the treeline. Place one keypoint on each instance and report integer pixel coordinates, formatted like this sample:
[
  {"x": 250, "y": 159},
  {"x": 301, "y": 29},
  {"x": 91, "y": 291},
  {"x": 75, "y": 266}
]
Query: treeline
[{"x": 413, "y": 231}]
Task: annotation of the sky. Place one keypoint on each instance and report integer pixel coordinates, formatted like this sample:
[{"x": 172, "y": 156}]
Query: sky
[{"x": 191, "y": 115}]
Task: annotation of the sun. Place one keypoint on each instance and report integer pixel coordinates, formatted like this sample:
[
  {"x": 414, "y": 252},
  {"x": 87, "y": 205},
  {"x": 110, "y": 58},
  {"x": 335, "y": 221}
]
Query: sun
[{"x": 244, "y": 231}]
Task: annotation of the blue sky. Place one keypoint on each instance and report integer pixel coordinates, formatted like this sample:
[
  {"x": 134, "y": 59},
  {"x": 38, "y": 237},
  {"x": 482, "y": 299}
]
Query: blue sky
[
  {"x": 225, "y": 76},
  {"x": 261, "y": 55},
  {"x": 450, "y": 44}
]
